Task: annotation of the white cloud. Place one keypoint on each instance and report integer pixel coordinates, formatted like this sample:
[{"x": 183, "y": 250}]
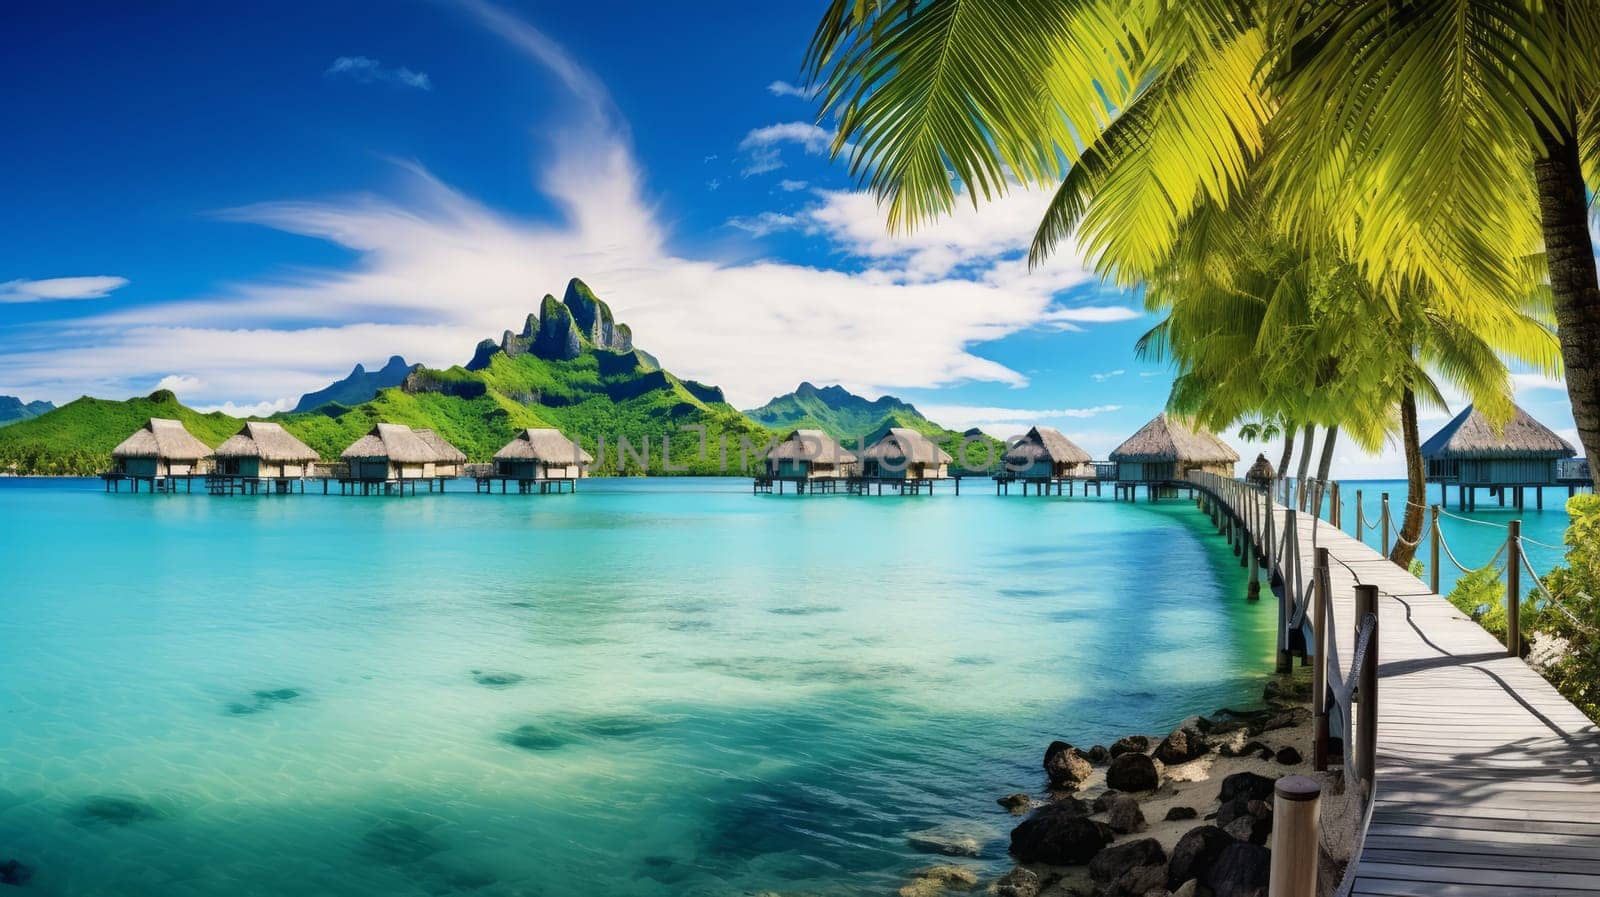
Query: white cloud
[
  {"x": 56, "y": 288},
  {"x": 762, "y": 147},
  {"x": 789, "y": 185},
  {"x": 1106, "y": 375},
  {"x": 444, "y": 271},
  {"x": 1528, "y": 382},
  {"x": 180, "y": 383},
  {"x": 714, "y": 183},
  {"x": 257, "y": 409},
  {"x": 366, "y": 70},
  {"x": 764, "y": 223},
  {"x": 785, "y": 89}
]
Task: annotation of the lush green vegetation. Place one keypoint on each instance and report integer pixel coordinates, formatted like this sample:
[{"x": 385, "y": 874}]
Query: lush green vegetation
[
  {"x": 597, "y": 396},
  {"x": 844, "y": 415},
  {"x": 1573, "y": 663}
]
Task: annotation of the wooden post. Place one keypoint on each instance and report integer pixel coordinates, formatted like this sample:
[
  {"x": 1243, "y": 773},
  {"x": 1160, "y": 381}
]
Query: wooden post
[
  {"x": 1286, "y": 599},
  {"x": 1514, "y": 589},
  {"x": 1361, "y": 519},
  {"x": 1433, "y": 552},
  {"x": 1319, "y": 670},
  {"x": 1385, "y": 524},
  {"x": 1367, "y": 686},
  {"x": 1334, "y": 509},
  {"x": 1296, "y": 810}
]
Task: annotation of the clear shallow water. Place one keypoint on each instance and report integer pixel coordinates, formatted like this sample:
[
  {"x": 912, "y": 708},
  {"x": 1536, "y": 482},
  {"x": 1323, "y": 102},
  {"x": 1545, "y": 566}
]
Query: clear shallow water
[{"x": 649, "y": 688}]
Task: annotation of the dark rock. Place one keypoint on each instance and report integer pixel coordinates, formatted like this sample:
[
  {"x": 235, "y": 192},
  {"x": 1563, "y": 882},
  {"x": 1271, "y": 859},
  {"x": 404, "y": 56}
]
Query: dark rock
[
  {"x": 594, "y": 320},
  {"x": 1177, "y": 813},
  {"x": 14, "y": 872},
  {"x": 1195, "y": 852},
  {"x": 1288, "y": 756},
  {"x": 1065, "y": 765},
  {"x": 1058, "y": 835},
  {"x": 1103, "y": 802},
  {"x": 558, "y": 338},
  {"x": 1098, "y": 755},
  {"x": 1140, "y": 881},
  {"x": 1184, "y": 744},
  {"x": 1019, "y": 882},
  {"x": 1133, "y": 772},
  {"x": 1110, "y": 863},
  {"x": 1294, "y": 717},
  {"x": 1284, "y": 690},
  {"x": 1241, "y": 870},
  {"x": 1265, "y": 754},
  {"x": 1190, "y": 888},
  {"x": 104, "y": 811},
  {"x": 1256, "y": 787},
  {"x": 1250, "y": 829},
  {"x": 1231, "y": 810},
  {"x": 1249, "y": 749},
  {"x": 1137, "y": 744},
  {"x": 1124, "y": 816},
  {"x": 494, "y": 679},
  {"x": 1074, "y": 805},
  {"x": 1016, "y": 803}
]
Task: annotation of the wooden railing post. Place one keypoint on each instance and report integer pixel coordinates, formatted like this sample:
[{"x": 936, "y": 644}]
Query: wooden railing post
[
  {"x": 1361, "y": 519},
  {"x": 1385, "y": 524},
  {"x": 1335, "y": 509},
  {"x": 1319, "y": 670},
  {"x": 1433, "y": 552},
  {"x": 1296, "y": 812},
  {"x": 1290, "y": 593},
  {"x": 1367, "y": 686},
  {"x": 1514, "y": 589}
]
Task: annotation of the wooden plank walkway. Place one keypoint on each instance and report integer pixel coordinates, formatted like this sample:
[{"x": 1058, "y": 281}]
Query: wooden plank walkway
[{"x": 1488, "y": 780}]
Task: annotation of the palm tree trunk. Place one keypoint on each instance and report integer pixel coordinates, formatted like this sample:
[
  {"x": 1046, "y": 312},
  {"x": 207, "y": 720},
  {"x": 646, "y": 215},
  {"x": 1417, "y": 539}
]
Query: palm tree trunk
[
  {"x": 1288, "y": 450},
  {"x": 1325, "y": 464},
  {"x": 1405, "y": 547},
  {"x": 1307, "y": 441},
  {"x": 1574, "y": 283}
]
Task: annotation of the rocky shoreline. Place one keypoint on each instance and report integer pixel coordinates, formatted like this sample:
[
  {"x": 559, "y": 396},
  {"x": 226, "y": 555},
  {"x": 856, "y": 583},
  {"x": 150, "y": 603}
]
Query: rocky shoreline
[{"x": 1186, "y": 814}]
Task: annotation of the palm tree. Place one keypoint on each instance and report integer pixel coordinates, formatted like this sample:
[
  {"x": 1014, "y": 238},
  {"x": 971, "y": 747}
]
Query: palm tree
[{"x": 1450, "y": 140}]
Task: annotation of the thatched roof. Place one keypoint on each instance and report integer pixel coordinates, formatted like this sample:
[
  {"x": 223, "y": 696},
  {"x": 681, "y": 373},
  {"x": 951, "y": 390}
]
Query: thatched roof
[
  {"x": 1260, "y": 470},
  {"x": 396, "y": 442},
  {"x": 1047, "y": 444},
  {"x": 164, "y": 439},
  {"x": 1165, "y": 439},
  {"x": 442, "y": 451},
  {"x": 900, "y": 444},
  {"x": 543, "y": 444},
  {"x": 1470, "y": 435},
  {"x": 811, "y": 445},
  {"x": 267, "y": 441}
]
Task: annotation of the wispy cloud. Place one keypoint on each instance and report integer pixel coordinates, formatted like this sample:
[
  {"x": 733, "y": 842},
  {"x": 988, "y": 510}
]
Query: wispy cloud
[
  {"x": 762, "y": 147},
  {"x": 366, "y": 70},
  {"x": 1103, "y": 376},
  {"x": 57, "y": 288},
  {"x": 714, "y": 183},
  {"x": 789, "y": 185},
  {"x": 785, "y": 89}
]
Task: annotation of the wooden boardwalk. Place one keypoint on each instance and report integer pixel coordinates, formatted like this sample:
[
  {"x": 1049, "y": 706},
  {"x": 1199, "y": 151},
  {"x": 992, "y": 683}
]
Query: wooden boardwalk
[{"x": 1488, "y": 780}]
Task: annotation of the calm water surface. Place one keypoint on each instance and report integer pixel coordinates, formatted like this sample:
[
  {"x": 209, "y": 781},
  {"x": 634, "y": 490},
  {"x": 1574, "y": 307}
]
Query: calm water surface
[{"x": 648, "y": 688}]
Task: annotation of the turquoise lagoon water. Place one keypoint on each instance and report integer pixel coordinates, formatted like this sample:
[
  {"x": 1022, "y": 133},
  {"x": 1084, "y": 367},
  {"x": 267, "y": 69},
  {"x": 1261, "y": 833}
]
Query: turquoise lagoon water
[{"x": 648, "y": 688}]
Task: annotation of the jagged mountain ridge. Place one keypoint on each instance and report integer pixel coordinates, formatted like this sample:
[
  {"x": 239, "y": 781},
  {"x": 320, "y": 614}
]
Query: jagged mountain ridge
[
  {"x": 13, "y": 409},
  {"x": 842, "y": 414},
  {"x": 360, "y": 386}
]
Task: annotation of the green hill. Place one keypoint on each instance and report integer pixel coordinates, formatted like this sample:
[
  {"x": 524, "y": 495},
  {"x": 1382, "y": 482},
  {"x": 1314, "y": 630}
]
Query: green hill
[
  {"x": 843, "y": 414},
  {"x": 573, "y": 367}
]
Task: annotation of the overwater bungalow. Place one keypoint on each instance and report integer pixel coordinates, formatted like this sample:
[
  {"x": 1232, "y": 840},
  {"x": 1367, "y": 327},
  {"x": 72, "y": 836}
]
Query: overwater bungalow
[
  {"x": 1045, "y": 458},
  {"x": 387, "y": 459},
  {"x": 448, "y": 461},
  {"x": 161, "y": 454},
  {"x": 810, "y": 459},
  {"x": 539, "y": 459},
  {"x": 262, "y": 453},
  {"x": 1469, "y": 454},
  {"x": 907, "y": 460},
  {"x": 1163, "y": 452}
]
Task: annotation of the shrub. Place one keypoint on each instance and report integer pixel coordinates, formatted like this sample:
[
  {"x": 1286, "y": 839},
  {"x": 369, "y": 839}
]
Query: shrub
[{"x": 1573, "y": 621}]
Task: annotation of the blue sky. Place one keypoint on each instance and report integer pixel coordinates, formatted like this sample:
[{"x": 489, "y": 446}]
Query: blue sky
[{"x": 240, "y": 203}]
